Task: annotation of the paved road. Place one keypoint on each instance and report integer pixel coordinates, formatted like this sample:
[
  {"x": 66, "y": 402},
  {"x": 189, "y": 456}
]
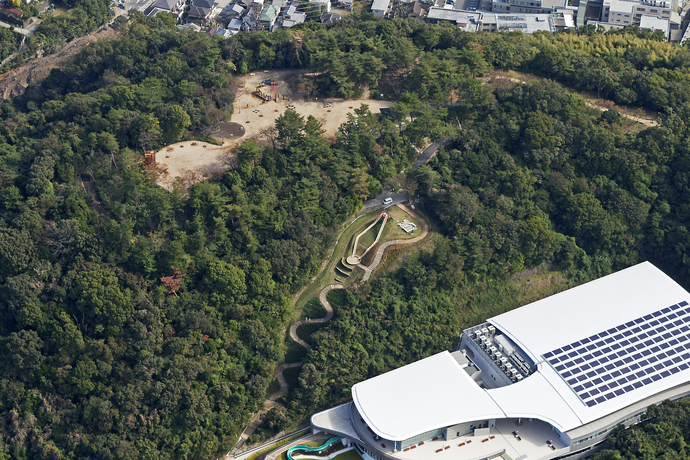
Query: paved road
[
  {"x": 28, "y": 31},
  {"x": 377, "y": 202},
  {"x": 329, "y": 314},
  {"x": 426, "y": 155}
]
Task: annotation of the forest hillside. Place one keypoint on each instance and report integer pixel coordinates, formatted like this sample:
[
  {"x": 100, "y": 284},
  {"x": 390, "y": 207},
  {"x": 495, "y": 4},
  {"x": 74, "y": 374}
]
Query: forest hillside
[{"x": 149, "y": 327}]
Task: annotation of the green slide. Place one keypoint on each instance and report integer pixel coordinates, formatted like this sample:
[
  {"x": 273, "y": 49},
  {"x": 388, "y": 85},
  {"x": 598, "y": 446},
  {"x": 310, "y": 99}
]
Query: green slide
[{"x": 311, "y": 449}]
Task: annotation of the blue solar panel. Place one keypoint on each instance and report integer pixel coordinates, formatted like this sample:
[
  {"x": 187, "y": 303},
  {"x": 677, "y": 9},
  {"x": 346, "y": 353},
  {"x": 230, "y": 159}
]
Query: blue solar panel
[{"x": 636, "y": 353}]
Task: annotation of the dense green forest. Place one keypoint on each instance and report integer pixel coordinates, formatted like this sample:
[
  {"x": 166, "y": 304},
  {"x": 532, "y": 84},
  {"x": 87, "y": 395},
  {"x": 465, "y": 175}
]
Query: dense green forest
[
  {"x": 151, "y": 328},
  {"x": 665, "y": 435},
  {"x": 9, "y": 41}
]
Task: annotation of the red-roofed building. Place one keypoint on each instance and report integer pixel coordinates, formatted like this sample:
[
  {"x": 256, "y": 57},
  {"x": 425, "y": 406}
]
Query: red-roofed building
[{"x": 11, "y": 15}]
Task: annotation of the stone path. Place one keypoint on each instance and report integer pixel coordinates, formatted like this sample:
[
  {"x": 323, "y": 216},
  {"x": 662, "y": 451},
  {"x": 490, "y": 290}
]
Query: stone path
[{"x": 329, "y": 314}]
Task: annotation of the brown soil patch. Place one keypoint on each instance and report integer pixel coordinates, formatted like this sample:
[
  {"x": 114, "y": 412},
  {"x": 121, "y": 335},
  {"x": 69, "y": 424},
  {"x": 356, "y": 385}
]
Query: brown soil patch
[
  {"x": 256, "y": 117},
  {"x": 187, "y": 163},
  {"x": 14, "y": 82},
  {"x": 262, "y": 115}
]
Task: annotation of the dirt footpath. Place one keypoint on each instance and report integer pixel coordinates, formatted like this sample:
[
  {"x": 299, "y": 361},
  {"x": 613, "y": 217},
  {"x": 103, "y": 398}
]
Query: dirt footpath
[{"x": 14, "y": 82}]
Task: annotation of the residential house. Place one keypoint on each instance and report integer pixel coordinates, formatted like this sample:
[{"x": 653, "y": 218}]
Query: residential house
[
  {"x": 267, "y": 18},
  {"x": 415, "y": 10},
  {"x": 199, "y": 15},
  {"x": 12, "y": 15},
  {"x": 189, "y": 26},
  {"x": 235, "y": 25},
  {"x": 231, "y": 12},
  {"x": 329, "y": 18},
  {"x": 251, "y": 18},
  {"x": 291, "y": 17},
  {"x": 174, "y": 7},
  {"x": 380, "y": 7},
  {"x": 225, "y": 33}
]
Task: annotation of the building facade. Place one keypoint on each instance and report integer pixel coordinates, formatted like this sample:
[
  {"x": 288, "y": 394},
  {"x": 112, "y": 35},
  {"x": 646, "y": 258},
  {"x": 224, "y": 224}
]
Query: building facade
[{"x": 547, "y": 381}]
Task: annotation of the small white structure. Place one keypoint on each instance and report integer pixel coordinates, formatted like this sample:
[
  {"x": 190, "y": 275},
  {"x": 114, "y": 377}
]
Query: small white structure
[
  {"x": 467, "y": 21},
  {"x": 407, "y": 226},
  {"x": 323, "y": 5},
  {"x": 380, "y": 7}
]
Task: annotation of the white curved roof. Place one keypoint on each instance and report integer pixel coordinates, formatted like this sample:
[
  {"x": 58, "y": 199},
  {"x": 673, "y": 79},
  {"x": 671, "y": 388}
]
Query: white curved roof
[
  {"x": 432, "y": 393},
  {"x": 435, "y": 392}
]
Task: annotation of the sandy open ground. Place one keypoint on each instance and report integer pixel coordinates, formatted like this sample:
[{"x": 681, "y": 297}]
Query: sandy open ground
[
  {"x": 195, "y": 163},
  {"x": 187, "y": 164}
]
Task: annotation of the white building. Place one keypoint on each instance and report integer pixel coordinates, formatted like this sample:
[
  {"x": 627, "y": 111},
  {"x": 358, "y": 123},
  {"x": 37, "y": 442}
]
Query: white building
[
  {"x": 465, "y": 20},
  {"x": 526, "y": 23},
  {"x": 656, "y": 23},
  {"x": 549, "y": 380},
  {"x": 323, "y": 5},
  {"x": 626, "y": 12},
  {"x": 380, "y": 7}
]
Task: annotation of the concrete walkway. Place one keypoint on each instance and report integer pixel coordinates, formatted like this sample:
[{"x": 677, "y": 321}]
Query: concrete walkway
[
  {"x": 329, "y": 314},
  {"x": 272, "y": 400}
]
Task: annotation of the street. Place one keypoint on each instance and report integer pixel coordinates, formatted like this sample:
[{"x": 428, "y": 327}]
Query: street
[
  {"x": 28, "y": 31},
  {"x": 377, "y": 202}
]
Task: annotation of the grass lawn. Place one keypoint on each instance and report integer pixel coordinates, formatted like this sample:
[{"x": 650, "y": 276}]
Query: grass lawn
[
  {"x": 337, "y": 297},
  {"x": 349, "y": 455},
  {"x": 368, "y": 238},
  {"x": 313, "y": 309},
  {"x": 393, "y": 232},
  {"x": 592, "y": 97},
  {"x": 327, "y": 276},
  {"x": 491, "y": 298}
]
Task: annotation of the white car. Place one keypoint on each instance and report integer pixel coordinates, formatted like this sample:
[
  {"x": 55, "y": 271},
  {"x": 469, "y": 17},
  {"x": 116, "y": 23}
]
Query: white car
[{"x": 387, "y": 201}]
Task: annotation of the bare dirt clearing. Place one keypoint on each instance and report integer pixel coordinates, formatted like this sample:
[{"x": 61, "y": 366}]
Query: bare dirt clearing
[
  {"x": 189, "y": 162},
  {"x": 192, "y": 164},
  {"x": 257, "y": 115},
  {"x": 14, "y": 82}
]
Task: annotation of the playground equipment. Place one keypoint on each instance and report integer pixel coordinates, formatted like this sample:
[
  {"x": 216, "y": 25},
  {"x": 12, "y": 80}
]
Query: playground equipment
[
  {"x": 266, "y": 95},
  {"x": 149, "y": 158},
  {"x": 354, "y": 258},
  {"x": 311, "y": 449},
  {"x": 263, "y": 96}
]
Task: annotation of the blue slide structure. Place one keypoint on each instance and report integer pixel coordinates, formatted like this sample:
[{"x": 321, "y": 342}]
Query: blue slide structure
[{"x": 311, "y": 449}]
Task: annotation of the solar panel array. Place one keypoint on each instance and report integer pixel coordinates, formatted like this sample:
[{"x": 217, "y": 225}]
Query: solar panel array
[{"x": 627, "y": 357}]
